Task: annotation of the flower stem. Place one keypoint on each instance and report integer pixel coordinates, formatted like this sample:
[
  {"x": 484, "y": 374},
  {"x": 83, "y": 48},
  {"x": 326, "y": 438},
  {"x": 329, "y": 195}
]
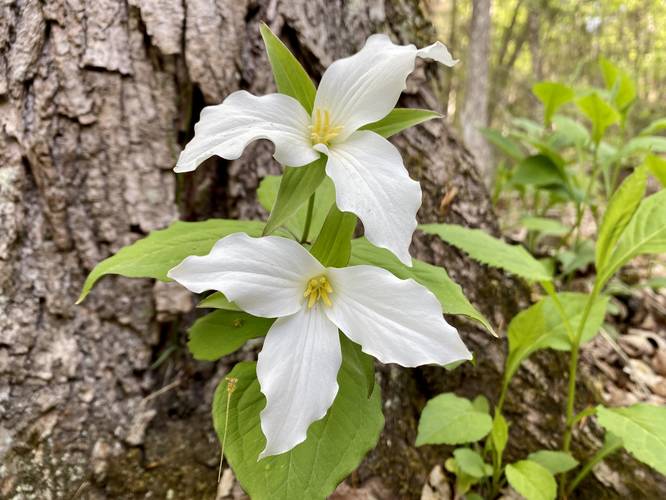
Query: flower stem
[
  {"x": 308, "y": 219},
  {"x": 231, "y": 387}
]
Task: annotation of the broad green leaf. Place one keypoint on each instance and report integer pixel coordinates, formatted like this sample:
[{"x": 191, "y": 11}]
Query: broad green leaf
[
  {"x": 223, "y": 332},
  {"x": 555, "y": 461},
  {"x": 599, "y": 112},
  {"x": 449, "y": 419},
  {"x": 333, "y": 245},
  {"x": 400, "y": 119},
  {"x": 507, "y": 146},
  {"x": 654, "y": 127},
  {"x": 541, "y": 326},
  {"x": 334, "y": 446},
  {"x": 491, "y": 251},
  {"x": 553, "y": 96},
  {"x": 619, "y": 83},
  {"x": 531, "y": 480},
  {"x": 296, "y": 187},
  {"x": 481, "y": 403},
  {"x": 539, "y": 170},
  {"x": 544, "y": 226},
  {"x": 642, "y": 428},
  {"x": 645, "y": 234},
  {"x": 499, "y": 434},
  {"x": 217, "y": 300},
  {"x": 434, "y": 278},
  {"x": 643, "y": 144},
  {"x": 621, "y": 208},
  {"x": 657, "y": 167},
  {"x": 569, "y": 132},
  {"x": 160, "y": 251},
  {"x": 290, "y": 77},
  {"x": 471, "y": 463},
  {"x": 267, "y": 194}
]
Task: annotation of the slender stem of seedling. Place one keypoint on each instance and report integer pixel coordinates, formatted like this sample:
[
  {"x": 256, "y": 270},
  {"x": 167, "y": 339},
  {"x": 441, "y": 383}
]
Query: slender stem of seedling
[
  {"x": 580, "y": 207},
  {"x": 573, "y": 368},
  {"x": 598, "y": 457},
  {"x": 308, "y": 219}
]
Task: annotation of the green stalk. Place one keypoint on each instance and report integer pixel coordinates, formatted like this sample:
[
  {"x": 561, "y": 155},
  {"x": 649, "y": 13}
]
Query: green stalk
[
  {"x": 580, "y": 209},
  {"x": 308, "y": 219},
  {"x": 573, "y": 368},
  {"x": 596, "y": 458}
]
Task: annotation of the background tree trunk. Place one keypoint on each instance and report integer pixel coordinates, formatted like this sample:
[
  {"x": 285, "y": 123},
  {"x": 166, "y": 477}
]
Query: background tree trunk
[
  {"x": 97, "y": 97},
  {"x": 475, "y": 109}
]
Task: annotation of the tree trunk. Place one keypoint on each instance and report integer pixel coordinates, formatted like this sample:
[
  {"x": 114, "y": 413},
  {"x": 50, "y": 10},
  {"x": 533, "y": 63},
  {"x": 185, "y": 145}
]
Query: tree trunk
[
  {"x": 475, "y": 109},
  {"x": 102, "y": 400}
]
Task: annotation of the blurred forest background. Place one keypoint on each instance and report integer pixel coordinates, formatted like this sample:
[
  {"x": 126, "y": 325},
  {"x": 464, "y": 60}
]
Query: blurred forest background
[{"x": 506, "y": 46}]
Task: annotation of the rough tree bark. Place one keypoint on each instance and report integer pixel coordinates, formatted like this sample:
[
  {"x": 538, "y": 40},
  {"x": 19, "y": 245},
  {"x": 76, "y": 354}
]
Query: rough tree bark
[{"x": 97, "y": 97}]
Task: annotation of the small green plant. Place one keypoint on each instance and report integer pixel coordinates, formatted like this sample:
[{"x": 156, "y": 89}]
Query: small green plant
[
  {"x": 567, "y": 163},
  {"x": 574, "y": 160}
]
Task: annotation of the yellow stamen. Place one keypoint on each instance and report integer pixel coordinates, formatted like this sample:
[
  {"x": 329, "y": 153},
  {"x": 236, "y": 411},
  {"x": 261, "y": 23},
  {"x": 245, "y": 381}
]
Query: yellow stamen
[
  {"x": 321, "y": 131},
  {"x": 318, "y": 288}
]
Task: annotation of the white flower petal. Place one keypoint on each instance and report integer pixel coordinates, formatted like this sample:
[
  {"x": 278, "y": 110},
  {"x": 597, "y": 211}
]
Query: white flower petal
[
  {"x": 263, "y": 276},
  {"x": 437, "y": 52},
  {"x": 372, "y": 182},
  {"x": 394, "y": 320},
  {"x": 297, "y": 371},
  {"x": 226, "y": 129},
  {"x": 363, "y": 88}
]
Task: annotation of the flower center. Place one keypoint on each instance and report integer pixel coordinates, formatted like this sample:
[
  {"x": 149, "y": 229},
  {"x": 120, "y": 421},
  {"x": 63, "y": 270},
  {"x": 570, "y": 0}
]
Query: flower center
[
  {"x": 321, "y": 131},
  {"x": 318, "y": 288}
]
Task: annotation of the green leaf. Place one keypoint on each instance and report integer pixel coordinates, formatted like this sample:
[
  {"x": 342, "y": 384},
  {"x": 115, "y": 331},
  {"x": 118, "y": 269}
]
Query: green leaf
[
  {"x": 642, "y": 428},
  {"x": 621, "y": 208},
  {"x": 290, "y": 77},
  {"x": 507, "y": 146},
  {"x": 599, "y": 112},
  {"x": 544, "y": 226},
  {"x": 267, "y": 195},
  {"x": 217, "y": 300},
  {"x": 491, "y": 251},
  {"x": 654, "y": 127},
  {"x": 645, "y": 234},
  {"x": 449, "y": 419},
  {"x": 643, "y": 144},
  {"x": 499, "y": 434},
  {"x": 223, "y": 332},
  {"x": 434, "y": 278},
  {"x": 296, "y": 187},
  {"x": 481, "y": 403},
  {"x": 539, "y": 170},
  {"x": 531, "y": 480},
  {"x": 334, "y": 446},
  {"x": 471, "y": 463},
  {"x": 333, "y": 245},
  {"x": 618, "y": 81},
  {"x": 569, "y": 132},
  {"x": 555, "y": 461},
  {"x": 657, "y": 167},
  {"x": 553, "y": 96},
  {"x": 577, "y": 257},
  {"x": 160, "y": 251},
  {"x": 541, "y": 326},
  {"x": 400, "y": 119}
]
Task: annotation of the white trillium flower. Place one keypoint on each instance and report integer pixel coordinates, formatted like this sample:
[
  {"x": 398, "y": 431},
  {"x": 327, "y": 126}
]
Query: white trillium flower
[
  {"x": 394, "y": 320},
  {"x": 367, "y": 170}
]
